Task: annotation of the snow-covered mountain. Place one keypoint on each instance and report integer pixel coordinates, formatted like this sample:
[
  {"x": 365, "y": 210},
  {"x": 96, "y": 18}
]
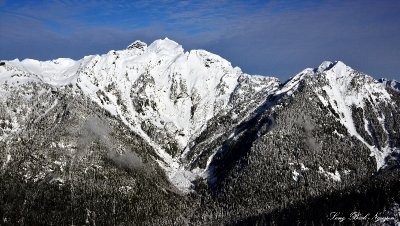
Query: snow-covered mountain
[
  {"x": 390, "y": 83},
  {"x": 159, "y": 110},
  {"x": 346, "y": 90},
  {"x": 164, "y": 94}
]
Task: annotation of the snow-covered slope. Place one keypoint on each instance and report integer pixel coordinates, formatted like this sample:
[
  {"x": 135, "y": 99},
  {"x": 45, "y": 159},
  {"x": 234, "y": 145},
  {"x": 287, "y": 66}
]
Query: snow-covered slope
[
  {"x": 57, "y": 72},
  {"x": 164, "y": 94},
  {"x": 344, "y": 90},
  {"x": 162, "y": 85},
  {"x": 347, "y": 89}
]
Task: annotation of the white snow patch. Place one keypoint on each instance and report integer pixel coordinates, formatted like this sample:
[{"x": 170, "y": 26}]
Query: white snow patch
[
  {"x": 8, "y": 159},
  {"x": 57, "y": 180},
  {"x": 295, "y": 175},
  {"x": 346, "y": 172},
  {"x": 366, "y": 123},
  {"x": 338, "y": 134},
  {"x": 303, "y": 167},
  {"x": 125, "y": 189},
  {"x": 334, "y": 176}
]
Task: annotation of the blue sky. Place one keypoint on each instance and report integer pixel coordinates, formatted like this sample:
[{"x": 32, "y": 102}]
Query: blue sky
[{"x": 278, "y": 38}]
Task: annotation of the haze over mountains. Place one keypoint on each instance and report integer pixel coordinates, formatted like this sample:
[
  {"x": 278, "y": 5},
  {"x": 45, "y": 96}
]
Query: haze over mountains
[{"x": 154, "y": 134}]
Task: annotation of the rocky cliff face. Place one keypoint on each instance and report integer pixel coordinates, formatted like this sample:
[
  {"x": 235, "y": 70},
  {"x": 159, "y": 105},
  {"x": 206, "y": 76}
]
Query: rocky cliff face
[{"x": 156, "y": 135}]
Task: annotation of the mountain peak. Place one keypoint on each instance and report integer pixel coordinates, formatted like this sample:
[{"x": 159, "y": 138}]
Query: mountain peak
[
  {"x": 137, "y": 45},
  {"x": 165, "y": 44},
  {"x": 331, "y": 65},
  {"x": 326, "y": 65},
  {"x": 337, "y": 68}
]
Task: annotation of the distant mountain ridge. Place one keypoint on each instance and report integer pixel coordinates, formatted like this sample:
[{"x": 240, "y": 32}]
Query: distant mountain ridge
[{"x": 390, "y": 83}]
